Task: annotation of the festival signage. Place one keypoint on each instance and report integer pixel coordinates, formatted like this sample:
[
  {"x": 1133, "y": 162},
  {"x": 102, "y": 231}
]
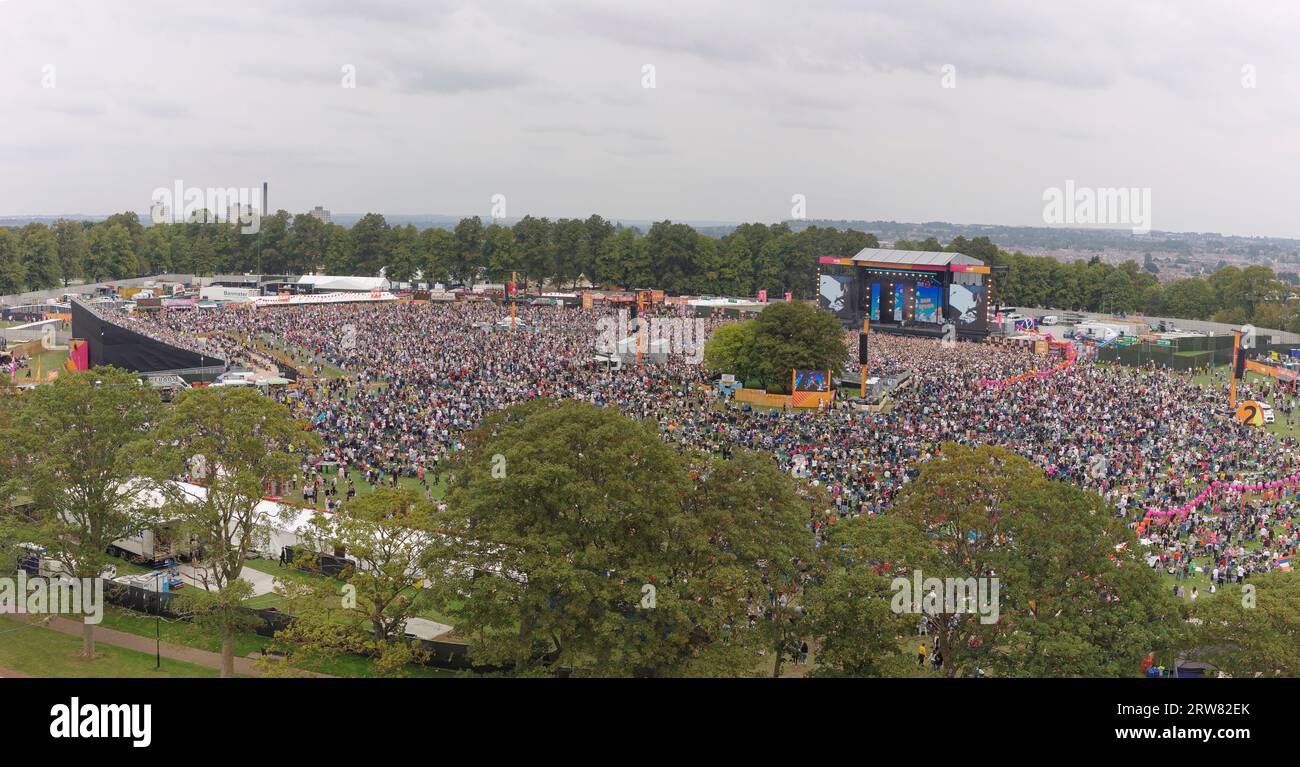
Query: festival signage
[
  {"x": 285, "y": 299},
  {"x": 1250, "y": 413}
]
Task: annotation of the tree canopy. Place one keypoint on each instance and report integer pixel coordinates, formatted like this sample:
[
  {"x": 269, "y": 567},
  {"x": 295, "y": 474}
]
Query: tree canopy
[{"x": 575, "y": 537}]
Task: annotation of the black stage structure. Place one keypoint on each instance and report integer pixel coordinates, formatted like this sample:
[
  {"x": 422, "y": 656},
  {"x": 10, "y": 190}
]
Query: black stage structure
[
  {"x": 112, "y": 344},
  {"x": 913, "y": 292}
]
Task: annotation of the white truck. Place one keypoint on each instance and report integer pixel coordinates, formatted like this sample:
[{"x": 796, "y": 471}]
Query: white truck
[{"x": 233, "y": 295}]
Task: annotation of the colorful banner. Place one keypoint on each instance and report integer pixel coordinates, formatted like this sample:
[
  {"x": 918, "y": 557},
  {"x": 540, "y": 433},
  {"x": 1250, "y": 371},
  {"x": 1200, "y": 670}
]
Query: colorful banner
[{"x": 79, "y": 355}]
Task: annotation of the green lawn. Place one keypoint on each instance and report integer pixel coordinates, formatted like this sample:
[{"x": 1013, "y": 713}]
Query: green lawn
[
  {"x": 298, "y": 358},
  {"x": 180, "y": 632},
  {"x": 203, "y": 637},
  {"x": 47, "y": 361},
  {"x": 44, "y": 652},
  {"x": 197, "y": 635}
]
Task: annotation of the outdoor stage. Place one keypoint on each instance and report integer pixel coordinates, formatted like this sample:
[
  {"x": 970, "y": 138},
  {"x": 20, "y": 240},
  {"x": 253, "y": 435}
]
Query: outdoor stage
[{"x": 918, "y": 293}]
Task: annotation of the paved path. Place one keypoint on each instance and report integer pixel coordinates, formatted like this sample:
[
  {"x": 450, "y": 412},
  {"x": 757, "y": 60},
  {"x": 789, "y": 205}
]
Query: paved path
[
  {"x": 243, "y": 666},
  {"x": 263, "y": 583}
]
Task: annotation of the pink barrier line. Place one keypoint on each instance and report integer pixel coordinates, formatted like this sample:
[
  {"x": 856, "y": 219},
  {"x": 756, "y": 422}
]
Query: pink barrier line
[
  {"x": 998, "y": 383},
  {"x": 1224, "y": 487}
]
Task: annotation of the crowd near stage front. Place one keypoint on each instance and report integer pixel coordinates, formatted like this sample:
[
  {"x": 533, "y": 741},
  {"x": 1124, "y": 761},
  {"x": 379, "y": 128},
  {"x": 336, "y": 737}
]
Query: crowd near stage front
[{"x": 919, "y": 293}]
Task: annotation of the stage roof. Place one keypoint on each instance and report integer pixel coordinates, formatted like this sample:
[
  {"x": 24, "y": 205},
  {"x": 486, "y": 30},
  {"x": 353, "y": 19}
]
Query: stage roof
[{"x": 926, "y": 257}]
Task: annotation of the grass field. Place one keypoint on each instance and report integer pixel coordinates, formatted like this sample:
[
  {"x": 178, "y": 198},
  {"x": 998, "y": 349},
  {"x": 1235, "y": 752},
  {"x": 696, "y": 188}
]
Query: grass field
[
  {"x": 247, "y": 643},
  {"x": 1219, "y": 381},
  {"x": 43, "y": 652},
  {"x": 44, "y": 362},
  {"x": 298, "y": 358}
]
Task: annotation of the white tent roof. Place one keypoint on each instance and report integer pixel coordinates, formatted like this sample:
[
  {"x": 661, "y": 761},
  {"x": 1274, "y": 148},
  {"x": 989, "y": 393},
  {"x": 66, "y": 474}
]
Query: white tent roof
[
  {"x": 324, "y": 282},
  {"x": 285, "y": 517}
]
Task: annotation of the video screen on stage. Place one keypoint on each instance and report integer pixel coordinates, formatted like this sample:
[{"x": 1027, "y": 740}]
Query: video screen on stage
[
  {"x": 900, "y": 303},
  {"x": 836, "y": 295},
  {"x": 875, "y": 302},
  {"x": 969, "y": 304},
  {"x": 811, "y": 380},
  {"x": 928, "y": 298}
]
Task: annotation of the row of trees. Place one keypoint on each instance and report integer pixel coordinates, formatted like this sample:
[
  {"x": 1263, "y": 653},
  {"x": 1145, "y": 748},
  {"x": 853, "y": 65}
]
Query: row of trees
[
  {"x": 88, "y": 451},
  {"x": 669, "y": 256},
  {"x": 574, "y": 537},
  {"x": 1231, "y": 294}
]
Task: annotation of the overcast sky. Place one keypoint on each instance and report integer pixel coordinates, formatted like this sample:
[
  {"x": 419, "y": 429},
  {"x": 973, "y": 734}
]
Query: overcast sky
[{"x": 841, "y": 101}]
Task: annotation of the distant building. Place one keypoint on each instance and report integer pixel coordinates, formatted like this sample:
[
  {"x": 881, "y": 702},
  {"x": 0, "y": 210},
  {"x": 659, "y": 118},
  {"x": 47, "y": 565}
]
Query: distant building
[{"x": 320, "y": 214}]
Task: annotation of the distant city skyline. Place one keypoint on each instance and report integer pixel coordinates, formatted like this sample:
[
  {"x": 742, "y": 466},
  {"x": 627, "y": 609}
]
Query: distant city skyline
[{"x": 690, "y": 111}]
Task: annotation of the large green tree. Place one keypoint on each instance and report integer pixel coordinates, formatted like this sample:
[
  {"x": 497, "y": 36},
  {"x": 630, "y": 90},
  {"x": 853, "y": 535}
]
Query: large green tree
[
  {"x": 1250, "y": 629},
  {"x": 40, "y": 252},
  {"x": 575, "y": 537},
  {"x": 370, "y": 243},
  {"x": 71, "y": 237},
  {"x": 13, "y": 273},
  {"x": 1074, "y": 596},
  {"x": 795, "y": 336},
  {"x": 69, "y": 441},
  {"x": 730, "y": 350},
  {"x": 387, "y": 532},
  {"x": 232, "y": 441}
]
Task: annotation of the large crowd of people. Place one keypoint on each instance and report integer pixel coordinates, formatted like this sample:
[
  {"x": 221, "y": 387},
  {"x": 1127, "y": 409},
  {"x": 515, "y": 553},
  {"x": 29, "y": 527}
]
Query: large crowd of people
[{"x": 416, "y": 377}]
